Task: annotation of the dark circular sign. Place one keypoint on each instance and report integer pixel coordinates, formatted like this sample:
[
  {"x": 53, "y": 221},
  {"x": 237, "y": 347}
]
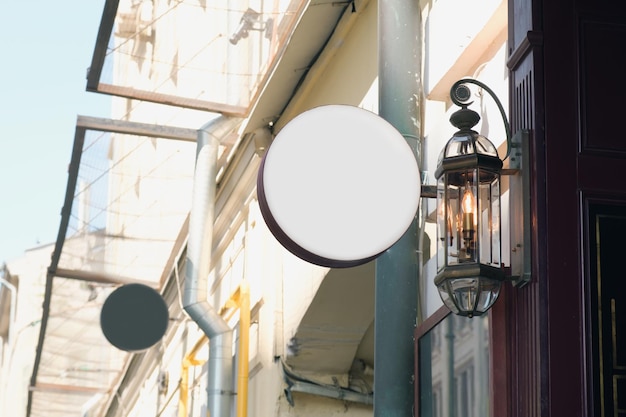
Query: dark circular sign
[{"x": 134, "y": 317}]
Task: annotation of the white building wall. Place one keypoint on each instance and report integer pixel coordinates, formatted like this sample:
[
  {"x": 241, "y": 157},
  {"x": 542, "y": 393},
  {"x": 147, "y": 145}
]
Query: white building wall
[
  {"x": 282, "y": 286},
  {"x": 17, "y": 353}
]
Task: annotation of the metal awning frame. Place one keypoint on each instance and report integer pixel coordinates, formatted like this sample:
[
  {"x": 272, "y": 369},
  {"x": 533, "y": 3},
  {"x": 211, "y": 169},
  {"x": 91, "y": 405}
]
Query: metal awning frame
[
  {"x": 95, "y": 70},
  {"x": 84, "y": 124},
  {"x": 97, "y": 64}
]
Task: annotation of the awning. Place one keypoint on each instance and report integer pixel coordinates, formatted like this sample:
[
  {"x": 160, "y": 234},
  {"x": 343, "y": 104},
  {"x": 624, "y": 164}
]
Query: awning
[
  {"x": 124, "y": 220},
  {"x": 125, "y": 214},
  {"x": 234, "y": 49}
]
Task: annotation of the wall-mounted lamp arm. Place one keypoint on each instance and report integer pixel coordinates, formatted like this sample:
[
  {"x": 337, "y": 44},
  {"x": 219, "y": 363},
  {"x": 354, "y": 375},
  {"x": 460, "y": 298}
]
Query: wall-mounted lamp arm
[{"x": 428, "y": 191}]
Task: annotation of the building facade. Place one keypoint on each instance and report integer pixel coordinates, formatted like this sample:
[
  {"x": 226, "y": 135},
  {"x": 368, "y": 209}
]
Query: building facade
[{"x": 165, "y": 195}]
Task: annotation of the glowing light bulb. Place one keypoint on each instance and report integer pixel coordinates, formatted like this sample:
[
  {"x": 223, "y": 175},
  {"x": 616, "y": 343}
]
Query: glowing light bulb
[{"x": 468, "y": 203}]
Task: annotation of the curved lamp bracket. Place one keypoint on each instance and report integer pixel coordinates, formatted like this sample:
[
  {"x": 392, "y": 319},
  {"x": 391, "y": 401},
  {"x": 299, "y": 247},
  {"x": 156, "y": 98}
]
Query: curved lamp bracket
[{"x": 460, "y": 95}]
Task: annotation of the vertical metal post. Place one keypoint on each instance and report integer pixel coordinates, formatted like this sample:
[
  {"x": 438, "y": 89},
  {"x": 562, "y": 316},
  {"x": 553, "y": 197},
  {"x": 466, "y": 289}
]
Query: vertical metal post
[
  {"x": 452, "y": 408},
  {"x": 399, "y": 77}
]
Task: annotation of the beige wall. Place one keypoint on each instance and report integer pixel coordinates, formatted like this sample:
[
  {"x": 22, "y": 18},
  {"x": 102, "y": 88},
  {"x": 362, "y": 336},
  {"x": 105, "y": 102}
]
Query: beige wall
[
  {"x": 346, "y": 70},
  {"x": 282, "y": 285}
]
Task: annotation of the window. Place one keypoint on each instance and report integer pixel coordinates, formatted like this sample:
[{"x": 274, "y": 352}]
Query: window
[{"x": 453, "y": 366}]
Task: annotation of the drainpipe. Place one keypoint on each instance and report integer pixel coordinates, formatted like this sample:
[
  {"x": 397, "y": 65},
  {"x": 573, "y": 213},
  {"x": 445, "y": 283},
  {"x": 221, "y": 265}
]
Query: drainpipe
[
  {"x": 396, "y": 279},
  {"x": 326, "y": 391},
  {"x": 239, "y": 300},
  {"x": 199, "y": 245}
]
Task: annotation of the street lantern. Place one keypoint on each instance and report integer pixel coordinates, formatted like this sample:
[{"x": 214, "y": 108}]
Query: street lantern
[{"x": 469, "y": 260}]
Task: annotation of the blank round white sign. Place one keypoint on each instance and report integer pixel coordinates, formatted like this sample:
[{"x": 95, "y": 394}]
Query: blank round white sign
[{"x": 338, "y": 186}]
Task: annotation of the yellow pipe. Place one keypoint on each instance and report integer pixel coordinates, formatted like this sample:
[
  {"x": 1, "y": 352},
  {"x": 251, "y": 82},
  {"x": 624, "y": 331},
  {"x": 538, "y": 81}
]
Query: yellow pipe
[
  {"x": 239, "y": 299},
  {"x": 244, "y": 346},
  {"x": 189, "y": 360}
]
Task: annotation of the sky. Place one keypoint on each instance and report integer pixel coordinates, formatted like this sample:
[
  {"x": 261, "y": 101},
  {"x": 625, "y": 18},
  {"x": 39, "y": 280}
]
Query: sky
[{"x": 45, "y": 51}]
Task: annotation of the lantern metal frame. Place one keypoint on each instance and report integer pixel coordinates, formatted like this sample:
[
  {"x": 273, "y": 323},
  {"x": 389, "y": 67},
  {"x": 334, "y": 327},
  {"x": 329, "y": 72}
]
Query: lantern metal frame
[{"x": 480, "y": 283}]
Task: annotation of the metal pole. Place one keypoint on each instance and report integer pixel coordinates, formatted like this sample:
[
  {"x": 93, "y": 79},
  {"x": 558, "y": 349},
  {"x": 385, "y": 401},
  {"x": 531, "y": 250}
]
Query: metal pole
[
  {"x": 399, "y": 77},
  {"x": 451, "y": 412}
]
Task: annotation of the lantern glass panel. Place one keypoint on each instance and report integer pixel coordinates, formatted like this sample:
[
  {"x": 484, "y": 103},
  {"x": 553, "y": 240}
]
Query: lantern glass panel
[
  {"x": 489, "y": 291},
  {"x": 444, "y": 293},
  {"x": 465, "y": 292},
  {"x": 460, "y": 144},
  {"x": 469, "y": 296},
  {"x": 467, "y": 143},
  {"x": 485, "y": 147},
  {"x": 443, "y": 230},
  {"x": 489, "y": 223},
  {"x": 461, "y": 220},
  {"x": 451, "y": 225}
]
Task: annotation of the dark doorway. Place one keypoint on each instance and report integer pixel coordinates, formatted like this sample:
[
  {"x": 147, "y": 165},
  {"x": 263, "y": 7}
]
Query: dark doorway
[{"x": 607, "y": 312}]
